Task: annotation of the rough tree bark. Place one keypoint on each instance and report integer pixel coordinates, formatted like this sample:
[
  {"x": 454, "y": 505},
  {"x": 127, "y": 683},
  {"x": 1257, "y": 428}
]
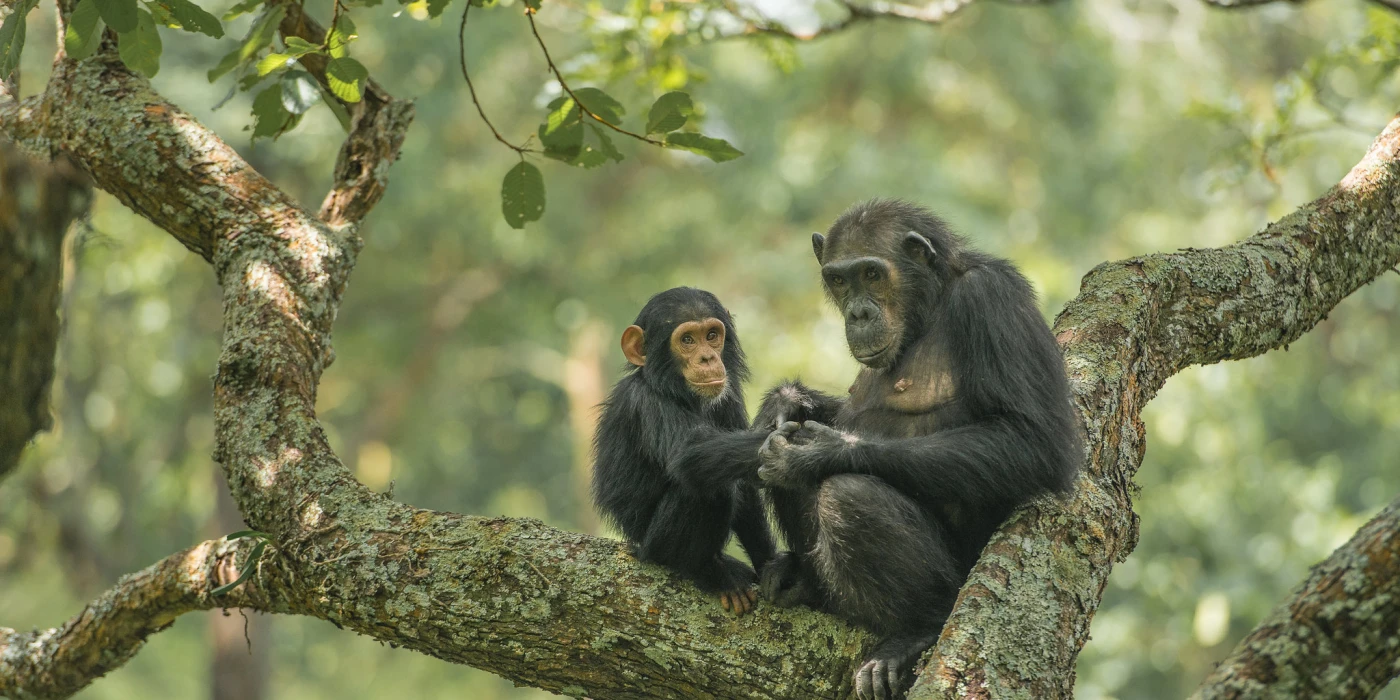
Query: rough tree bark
[{"x": 575, "y": 614}]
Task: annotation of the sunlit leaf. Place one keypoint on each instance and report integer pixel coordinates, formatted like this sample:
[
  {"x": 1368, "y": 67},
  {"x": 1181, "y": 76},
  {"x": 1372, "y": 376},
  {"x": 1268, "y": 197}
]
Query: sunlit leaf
[
  {"x": 81, "y": 37},
  {"x": 299, "y": 91},
  {"x": 338, "y": 36},
  {"x": 601, "y": 104},
  {"x": 346, "y": 78},
  {"x": 140, "y": 48},
  {"x": 120, "y": 15},
  {"x": 272, "y": 62},
  {"x": 669, "y": 112},
  {"x": 259, "y": 37},
  {"x": 522, "y": 195},
  {"x": 297, "y": 46},
  {"x": 12, "y": 37},
  {"x": 562, "y": 131},
  {"x": 717, "y": 150}
]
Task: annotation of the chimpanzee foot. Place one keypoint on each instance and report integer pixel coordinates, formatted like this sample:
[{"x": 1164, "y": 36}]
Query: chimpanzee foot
[
  {"x": 880, "y": 679},
  {"x": 739, "y": 601},
  {"x": 782, "y": 584}
]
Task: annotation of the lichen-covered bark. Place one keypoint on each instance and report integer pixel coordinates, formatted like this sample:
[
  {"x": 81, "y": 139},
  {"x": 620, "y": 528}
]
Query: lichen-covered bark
[
  {"x": 1024, "y": 614},
  {"x": 1338, "y": 634},
  {"x": 38, "y": 202},
  {"x": 57, "y": 662},
  {"x": 576, "y": 614}
]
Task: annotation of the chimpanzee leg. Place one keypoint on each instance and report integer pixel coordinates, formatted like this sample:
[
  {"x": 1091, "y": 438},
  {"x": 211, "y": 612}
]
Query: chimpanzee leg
[
  {"x": 790, "y": 580},
  {"x": 883, "y": 564},
  {"x": 687, "y": 534}
]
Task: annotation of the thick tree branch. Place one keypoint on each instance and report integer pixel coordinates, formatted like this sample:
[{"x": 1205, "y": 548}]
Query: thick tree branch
[
  {"x": 57, "y": 662},
  {"x": 1024, "y": 613},
  {"x": 578, "y": 615},
  {"x": 378, "y": 124},
  {"x": 1338, "y": 635}
]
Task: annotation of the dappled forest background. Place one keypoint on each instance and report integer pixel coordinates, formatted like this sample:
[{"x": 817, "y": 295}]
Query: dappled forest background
[{"x": 469, "y": 354}]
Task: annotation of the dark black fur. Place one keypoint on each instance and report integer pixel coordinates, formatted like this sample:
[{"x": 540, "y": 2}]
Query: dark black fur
[
  {"x": 887, "y": 513},
  {"x": 675, "y": 472}
]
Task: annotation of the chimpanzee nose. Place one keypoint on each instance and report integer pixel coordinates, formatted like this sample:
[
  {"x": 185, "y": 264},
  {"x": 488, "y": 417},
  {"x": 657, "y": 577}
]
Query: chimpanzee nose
[{"x": 859, "y": 314}]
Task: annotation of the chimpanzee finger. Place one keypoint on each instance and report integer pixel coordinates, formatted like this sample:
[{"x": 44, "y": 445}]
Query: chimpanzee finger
[
  {"x": 894, "y": 676},
  {"x": 882, "y": 690},
  {"x": 753, "y": 596},
  {"x": 724, "y": 601},
  {"x": 864, "y": 691}
]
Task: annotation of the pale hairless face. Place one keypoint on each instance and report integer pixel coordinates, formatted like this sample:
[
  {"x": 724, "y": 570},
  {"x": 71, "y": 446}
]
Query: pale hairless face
[{"x": 698, "y": 347}]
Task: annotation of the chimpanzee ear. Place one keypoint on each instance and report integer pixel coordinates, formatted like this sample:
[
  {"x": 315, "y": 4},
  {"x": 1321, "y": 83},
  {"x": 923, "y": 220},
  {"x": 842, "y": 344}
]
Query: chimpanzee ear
[
  {"x": 632, "y": 345},
  {"x": 818, "y": 242},
  {"x": 918, "y": 246}
]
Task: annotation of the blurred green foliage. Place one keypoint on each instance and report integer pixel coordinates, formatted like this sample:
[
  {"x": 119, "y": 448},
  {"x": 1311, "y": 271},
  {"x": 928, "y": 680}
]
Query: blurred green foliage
[{"x": 1059, "y": 136}]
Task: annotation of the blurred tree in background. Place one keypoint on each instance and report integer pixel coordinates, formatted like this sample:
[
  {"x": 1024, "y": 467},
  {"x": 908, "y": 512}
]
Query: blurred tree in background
[{"x": 469, "y": 354}]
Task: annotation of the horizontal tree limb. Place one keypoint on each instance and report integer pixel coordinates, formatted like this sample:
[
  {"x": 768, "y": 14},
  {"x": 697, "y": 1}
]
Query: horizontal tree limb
[{"x": 57, "y": 662}]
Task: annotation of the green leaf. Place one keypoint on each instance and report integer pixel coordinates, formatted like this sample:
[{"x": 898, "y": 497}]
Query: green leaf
[
  {"x": 247, "y": 533},
  {"x": 259, "y": 37},
  {"x": 346, "y": 78},
  {"x": 605, "y": 143},
  {"x": 242, "y": 8},
  {"x": 482, "y": 3},
  {"x": 338, "y": 36},
  {"x": 299, "y": 47},
  {"x": 272, "y": 62},
  {"x": 594, "y": 154},
  {"x": 601, "y": 104},
  {"x": 522, "y": 195},
  {"x": 270, "y": 116},
  {"x": 435, "y": 7},
  {"x": 717, "y": 150},
  {"x": 533, "y": 4},
  {"x": 140, "y": 48},
  {"x": 299, "y": 91},
  {"x": 120, "y": 15},
  {"x": 342, "y": 115},
  {"x": 248, "y": 568},
  {"x": 193, "y": 18},
  {"x": 669, "y": 112},
  {"x": 81, "y": 37},
  {"x": 12, "y": 37},
  {"x": 562, "y": 132}
]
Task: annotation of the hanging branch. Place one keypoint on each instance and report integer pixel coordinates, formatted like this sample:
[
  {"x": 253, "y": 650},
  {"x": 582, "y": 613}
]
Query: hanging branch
[
  {"x": 462, "y": 56},
  {"x": 530, "y": 15}
]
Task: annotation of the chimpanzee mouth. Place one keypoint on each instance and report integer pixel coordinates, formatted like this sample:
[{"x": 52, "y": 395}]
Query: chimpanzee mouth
[
  {"x": 867, "y": 359},
  {"x": 717, "y": 382}
]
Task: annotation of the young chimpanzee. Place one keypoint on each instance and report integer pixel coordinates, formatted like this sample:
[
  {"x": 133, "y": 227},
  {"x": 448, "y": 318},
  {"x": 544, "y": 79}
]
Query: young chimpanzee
[
  {"x": 675, "y": 466},
  {"x": 961, "y": 414}
]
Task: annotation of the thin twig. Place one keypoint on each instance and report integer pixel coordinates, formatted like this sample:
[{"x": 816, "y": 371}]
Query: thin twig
[
  {"x": 530, "y": 15},
  {"x": 462, "y": 55}
]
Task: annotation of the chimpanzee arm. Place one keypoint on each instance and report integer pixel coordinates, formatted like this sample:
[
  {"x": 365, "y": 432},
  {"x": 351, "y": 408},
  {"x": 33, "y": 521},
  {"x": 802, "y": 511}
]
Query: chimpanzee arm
[
  {"x": 991, "y": 461},
  {"x": 698, "y": 454},
  {"x": 794, "y": 401},
  {"x": 751, "y": 526}
]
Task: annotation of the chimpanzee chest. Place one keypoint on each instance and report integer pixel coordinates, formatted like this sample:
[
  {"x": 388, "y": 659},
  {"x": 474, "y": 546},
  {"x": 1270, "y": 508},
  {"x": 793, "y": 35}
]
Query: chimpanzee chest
[{"x": 900, "y": 404}]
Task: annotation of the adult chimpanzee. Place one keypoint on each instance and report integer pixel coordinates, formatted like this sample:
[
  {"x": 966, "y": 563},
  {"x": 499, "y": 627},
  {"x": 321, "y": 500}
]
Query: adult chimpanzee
[
  {"x": 961, "y": 414},
  {"x": 676, "y": 465}
]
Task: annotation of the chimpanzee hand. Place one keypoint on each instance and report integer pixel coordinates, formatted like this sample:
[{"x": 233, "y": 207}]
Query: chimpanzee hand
[
  {"x": 775, "y": 456},
  {"x": 790, "y": 456},
  {"x": 789, "y": 401}
]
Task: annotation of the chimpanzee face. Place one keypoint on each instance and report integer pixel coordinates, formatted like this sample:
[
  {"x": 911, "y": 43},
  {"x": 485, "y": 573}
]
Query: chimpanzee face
[
  {"x": 698, "y": 348},
  {"x": 862, "y": 271},
  {"x": 695, "y": 347}
]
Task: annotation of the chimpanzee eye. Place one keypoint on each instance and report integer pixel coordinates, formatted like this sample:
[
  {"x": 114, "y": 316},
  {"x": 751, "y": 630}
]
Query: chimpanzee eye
[
  {"x": 714, "y": 335},
  {"x": 872, "y": 274},
  {"x": 688, "y": 339},
  {"x": 837, "y": 280}
]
